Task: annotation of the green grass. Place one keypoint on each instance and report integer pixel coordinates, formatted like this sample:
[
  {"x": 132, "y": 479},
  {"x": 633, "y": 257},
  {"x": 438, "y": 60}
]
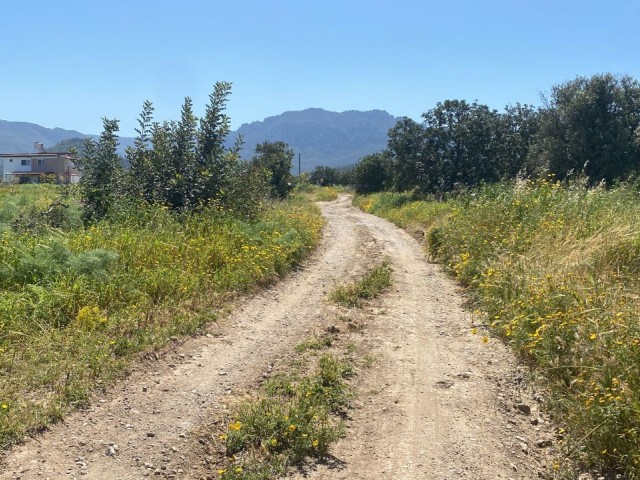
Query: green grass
[
  {"x": 372, "y": 284},
  {"x": 22, "y": 207},
  {"x": 555, "y": 271},
  {"x": 293, "y": 419},
  {"x": 77, "y": 304},
  {"x": 316, "y": 343}
]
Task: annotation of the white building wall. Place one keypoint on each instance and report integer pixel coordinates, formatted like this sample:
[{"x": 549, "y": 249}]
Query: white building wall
[{"x": 15, "y": 165}]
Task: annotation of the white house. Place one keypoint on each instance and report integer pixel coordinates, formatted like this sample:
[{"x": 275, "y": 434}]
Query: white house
[{"x": 32, "y": 167}]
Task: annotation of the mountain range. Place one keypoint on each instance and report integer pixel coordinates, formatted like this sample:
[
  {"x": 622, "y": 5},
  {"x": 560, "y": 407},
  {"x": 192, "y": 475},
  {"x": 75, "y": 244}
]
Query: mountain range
[
  {"x": 320, "y": 137},
  {"x": 18, "y": 137}
]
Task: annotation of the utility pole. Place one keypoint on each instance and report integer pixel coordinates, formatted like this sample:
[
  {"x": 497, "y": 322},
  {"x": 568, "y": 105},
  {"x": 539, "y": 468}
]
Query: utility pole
[{"x": 299, "y": 163}]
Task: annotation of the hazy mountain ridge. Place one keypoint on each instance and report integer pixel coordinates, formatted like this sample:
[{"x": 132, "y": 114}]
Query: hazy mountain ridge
[
  {"x": 321, "y": 137},
  {"x": 18, "y": 137}
]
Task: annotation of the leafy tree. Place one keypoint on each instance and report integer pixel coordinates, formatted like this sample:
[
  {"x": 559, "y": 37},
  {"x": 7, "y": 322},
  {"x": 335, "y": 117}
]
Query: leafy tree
[
  {"x": 517, "y": 132},
  {"x": 276, "y": 158},
  {"x": 141, "y": 182},
  {"x": 589, "y": 126},
  {"x": 214, "y": 165},
  {"x": 182, "y": 164},
  {"x": 373, "y": 173},
  {"x": 243, "y": 188},
  {"x": 101, "y": 168},
  {"x": 460, "y": 147},
  {"x": 406, "y": 148},
  {"x": 182, "y": 170},
  {"x": 324, "y": 176},
  {"x": 345, "y": 176}
]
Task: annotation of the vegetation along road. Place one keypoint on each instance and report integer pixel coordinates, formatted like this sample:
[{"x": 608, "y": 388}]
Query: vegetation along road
[{"x": 430, "y": 397}]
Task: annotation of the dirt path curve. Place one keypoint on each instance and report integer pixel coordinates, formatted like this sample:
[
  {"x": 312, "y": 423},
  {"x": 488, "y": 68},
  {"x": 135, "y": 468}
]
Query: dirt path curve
[{"x": 437, "y": 403}]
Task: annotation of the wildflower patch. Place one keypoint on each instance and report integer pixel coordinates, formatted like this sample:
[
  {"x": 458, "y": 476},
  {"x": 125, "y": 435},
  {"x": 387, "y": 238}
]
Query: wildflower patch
[{"x": 553, "y": 268}]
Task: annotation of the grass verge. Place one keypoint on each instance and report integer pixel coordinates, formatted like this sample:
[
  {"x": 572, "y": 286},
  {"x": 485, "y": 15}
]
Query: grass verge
[
  {"x": 325, "y": 194},
  {"x": 77, "y": 304},
  {"x": 317, "y": 193},
  {"x": 554, "y": 270},
  {"x": 372, "y": 284}
]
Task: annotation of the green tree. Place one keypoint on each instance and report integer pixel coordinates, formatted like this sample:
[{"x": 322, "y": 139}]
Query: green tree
[
  {"x": 140, "y": 179},
  {"x": 461, "y": 147},
  {"x": 276, "y": 158},
  {"x": 373, "y": 173},
  {"x": 216, "y": 164},
  {"x": 406, "y": 148},
  {"x": 101, "y": 167},
  {"x": 588, "y": 126},
  {"x": 517, "y": 132},
  {"x": 182, "y": 170},
  {"x": 324, "y": 176},
  {"x": 181, "y": 164}
]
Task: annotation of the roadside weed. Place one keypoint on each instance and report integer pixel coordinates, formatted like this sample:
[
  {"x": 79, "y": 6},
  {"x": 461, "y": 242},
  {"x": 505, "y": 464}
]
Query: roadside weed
[
  {"x": 325, "y": 194},
  {"x": 369, "y": 286},
  {"x": 293, "y": 419},
  {"x": 315, "y": 343},
  {"x": 554, "y": 271}
]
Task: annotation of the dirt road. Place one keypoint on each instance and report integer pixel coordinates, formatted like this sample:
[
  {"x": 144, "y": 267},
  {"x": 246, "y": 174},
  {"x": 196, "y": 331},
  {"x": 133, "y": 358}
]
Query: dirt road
[{"x": 437, "y": 403}]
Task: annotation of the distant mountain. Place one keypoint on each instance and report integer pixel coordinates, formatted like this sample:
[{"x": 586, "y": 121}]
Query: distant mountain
[
  {"x": 18, "y": 137},
  {"x": 322, "y": 138},
  {"x": 67, "y": 144}
]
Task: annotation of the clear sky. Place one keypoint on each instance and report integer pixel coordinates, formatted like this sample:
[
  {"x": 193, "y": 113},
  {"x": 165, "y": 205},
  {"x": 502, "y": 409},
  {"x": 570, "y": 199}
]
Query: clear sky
[{"x": 69, "y": 63}]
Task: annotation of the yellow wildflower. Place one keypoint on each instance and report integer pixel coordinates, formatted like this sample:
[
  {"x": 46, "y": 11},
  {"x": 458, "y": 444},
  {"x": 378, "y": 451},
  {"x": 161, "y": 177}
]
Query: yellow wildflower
[{"x": 235, "y": 426}]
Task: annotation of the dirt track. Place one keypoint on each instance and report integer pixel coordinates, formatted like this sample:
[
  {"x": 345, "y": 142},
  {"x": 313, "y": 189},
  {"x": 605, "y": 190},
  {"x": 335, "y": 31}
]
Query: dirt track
[{"x": 437, "y": 403}]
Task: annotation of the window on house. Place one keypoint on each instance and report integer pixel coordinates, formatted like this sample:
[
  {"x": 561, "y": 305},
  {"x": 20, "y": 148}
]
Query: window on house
[
  {"x": 25, "y": 162},
  {"x": 40, "y": 162}
]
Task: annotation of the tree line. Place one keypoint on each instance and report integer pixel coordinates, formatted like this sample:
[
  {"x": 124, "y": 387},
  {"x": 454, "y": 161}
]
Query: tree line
[
  {"x": 182, "y": 165},
  {"x": 589, "y": 126}
]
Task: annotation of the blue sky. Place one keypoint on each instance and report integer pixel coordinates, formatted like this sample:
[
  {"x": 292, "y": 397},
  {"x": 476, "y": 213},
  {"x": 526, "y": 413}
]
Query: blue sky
[{"x": 69, "y": 63}]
